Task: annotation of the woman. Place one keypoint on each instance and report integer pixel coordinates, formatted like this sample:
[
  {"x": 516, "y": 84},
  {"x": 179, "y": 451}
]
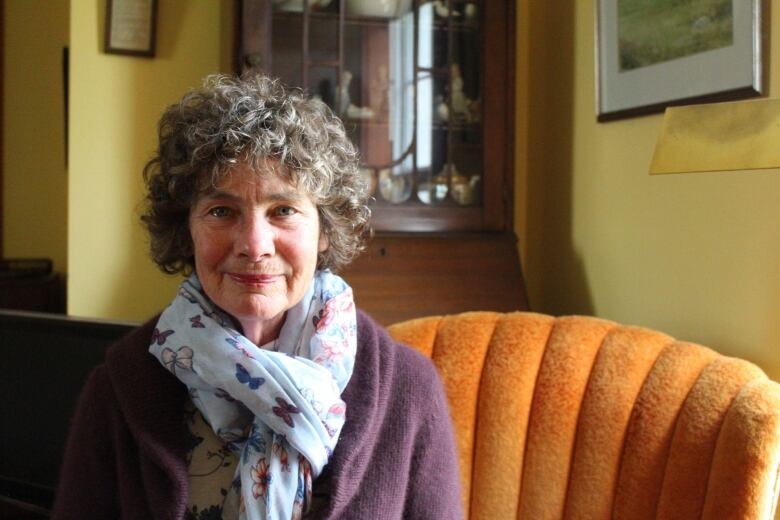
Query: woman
[{"x": 264, "y": 393}]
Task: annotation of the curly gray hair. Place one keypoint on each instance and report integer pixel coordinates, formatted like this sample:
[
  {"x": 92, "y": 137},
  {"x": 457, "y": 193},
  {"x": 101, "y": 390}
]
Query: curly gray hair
[{"x": 231, "y": 120}]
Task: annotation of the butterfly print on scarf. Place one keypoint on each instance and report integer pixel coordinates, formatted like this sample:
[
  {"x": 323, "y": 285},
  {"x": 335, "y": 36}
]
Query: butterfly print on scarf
[
  {"x": 233, "y": 438},
  {"x": 187, "y": 296},
  {"x": 160, "y": 337},
  {"x": 284, "y": 410},
  {"x": 196, "y": 322},
  {"x": 316, "y": 318},
  {"x": 243, "y": 376},
  {"x": 216, "y": 317},
  {"x": 236, "y": 345},
  {"x": 254, "y": 442},
  {"x": 181, "y": 358}
]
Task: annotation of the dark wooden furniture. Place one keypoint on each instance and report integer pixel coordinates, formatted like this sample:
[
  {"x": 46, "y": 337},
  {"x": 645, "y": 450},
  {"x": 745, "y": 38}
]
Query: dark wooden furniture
[
  {"x": 46, "y": 358},
  {"x": 45, "y": 293},
  {"x": 29, "y": 284},
  {"x": 409, "y": 276},
  {"x": 426, "y": 92},
  {"x": 2, "y": 116}
]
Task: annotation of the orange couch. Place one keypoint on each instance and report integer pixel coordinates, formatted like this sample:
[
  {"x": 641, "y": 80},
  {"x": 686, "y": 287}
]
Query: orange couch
[{"x": 578, "y": 417}]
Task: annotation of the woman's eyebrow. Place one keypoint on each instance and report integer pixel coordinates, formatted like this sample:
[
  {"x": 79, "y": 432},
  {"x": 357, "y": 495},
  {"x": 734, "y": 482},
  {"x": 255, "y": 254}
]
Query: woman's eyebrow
[
  {"x": 212, "y": 194},
  {"x": 286, "y": 195}
]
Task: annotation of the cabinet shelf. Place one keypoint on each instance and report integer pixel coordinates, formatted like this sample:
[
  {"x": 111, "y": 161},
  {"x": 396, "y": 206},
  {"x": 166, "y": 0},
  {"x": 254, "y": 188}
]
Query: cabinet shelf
[
  {"x": 315, "y": 16},
  {"x": 329, "y": 17},
  {"x": 457, "y": 26}
]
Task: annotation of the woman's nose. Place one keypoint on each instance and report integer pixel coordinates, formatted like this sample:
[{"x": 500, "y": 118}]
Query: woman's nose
[{"x": 256, "y": 238}]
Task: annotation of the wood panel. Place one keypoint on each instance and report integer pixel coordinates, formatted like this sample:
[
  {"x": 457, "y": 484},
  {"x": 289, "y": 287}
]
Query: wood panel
[
  {"x": 34, "y": 293},
  {"x": 409, "y": 276},
  {"x": 2, "y": 117}
]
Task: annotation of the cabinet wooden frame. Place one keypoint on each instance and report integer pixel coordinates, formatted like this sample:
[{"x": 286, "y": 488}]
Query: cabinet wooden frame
[
  {"x": 432, "y": 259},
  {"x": 254, "y": 48}
]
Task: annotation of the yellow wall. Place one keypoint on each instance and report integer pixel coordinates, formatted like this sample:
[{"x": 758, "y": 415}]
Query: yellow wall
[
  {"x": 115, "y": 104},
  {"x": 34, "y": 174},
  {"x": 694, "y": 255}
]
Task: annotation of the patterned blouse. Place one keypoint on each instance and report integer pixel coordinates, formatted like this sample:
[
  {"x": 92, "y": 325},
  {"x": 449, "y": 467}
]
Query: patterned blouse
[{"x": 212, "y": 466}]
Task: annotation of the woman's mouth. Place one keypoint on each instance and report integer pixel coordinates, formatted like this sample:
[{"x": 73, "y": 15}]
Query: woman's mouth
[{"x": 254, "y": 279}]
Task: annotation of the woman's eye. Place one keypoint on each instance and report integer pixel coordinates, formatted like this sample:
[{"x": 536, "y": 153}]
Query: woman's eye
[
  {"x": 284, "y": 211},
  {"x": 219, "y": 212}
]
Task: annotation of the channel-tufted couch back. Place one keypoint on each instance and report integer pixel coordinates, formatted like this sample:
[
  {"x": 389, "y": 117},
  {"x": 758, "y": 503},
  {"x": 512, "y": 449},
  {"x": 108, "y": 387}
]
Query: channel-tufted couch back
[{"x": 577, "y": 417}]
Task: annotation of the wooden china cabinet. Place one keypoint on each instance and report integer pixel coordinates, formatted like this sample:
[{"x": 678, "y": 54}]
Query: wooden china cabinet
[{"x": 425, "y": 89}]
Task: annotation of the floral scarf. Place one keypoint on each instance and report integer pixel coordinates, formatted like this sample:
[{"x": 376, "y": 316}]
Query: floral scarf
[{"x": 278, "y": 407}]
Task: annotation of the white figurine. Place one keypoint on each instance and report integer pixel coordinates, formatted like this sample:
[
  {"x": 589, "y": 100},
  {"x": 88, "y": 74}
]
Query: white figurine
[
  {"x": 460, "y": 103},
  {"x": 442, "y": 110},
  {"x": 440, "y": 6},
  {"x": 345, "y": 106},
  {"x": 380, "y": 92},
  {"x": 296, "y": 6}
]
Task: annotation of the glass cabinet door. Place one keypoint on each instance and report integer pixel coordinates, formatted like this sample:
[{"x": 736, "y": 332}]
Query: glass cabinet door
[{"x": 410, "y": 79}]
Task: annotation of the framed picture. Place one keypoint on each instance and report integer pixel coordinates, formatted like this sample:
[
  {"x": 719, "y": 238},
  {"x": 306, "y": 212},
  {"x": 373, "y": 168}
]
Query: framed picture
[
  {"x": 655, "y": 53},
  {"x": 131, "y": 26}
]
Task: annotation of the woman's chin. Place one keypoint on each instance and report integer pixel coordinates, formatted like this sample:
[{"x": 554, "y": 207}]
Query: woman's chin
[
  {"x": 258, "y": 313},
  {"x": 258, "y": 321}
]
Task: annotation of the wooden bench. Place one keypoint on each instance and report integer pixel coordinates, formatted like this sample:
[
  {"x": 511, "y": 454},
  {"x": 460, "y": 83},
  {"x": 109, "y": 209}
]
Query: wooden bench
[{"x": 46, "y": 358}]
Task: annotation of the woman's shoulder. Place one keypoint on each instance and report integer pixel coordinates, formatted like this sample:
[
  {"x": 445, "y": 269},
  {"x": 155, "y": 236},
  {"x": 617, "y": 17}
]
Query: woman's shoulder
[
  {"x": 129, "y": 356},
  {"x": 132, "y": 344},
  {"x": 139, "y": 380},
  {"x": 391, "y": 362},
  {"x": 373, "y": 335}
]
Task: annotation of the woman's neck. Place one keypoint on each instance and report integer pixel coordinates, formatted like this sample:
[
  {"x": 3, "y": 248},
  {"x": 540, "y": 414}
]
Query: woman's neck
[{"x": 261, "y": 332}]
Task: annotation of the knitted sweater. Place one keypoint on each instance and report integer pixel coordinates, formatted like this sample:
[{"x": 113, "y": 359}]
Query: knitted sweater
[{"x": 125, "y": 456}]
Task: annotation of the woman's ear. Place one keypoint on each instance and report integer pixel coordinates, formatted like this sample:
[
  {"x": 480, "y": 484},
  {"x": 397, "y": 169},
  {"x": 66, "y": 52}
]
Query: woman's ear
[{"x": 323, "y": 243}]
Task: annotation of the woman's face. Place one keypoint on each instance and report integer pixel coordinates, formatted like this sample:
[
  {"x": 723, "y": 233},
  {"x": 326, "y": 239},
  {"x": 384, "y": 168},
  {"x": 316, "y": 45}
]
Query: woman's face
[{"x": 256, "y": 239}]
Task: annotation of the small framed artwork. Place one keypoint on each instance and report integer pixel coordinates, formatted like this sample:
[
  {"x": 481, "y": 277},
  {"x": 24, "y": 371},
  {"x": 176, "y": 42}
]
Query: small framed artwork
[
  {"x": 130, "y": 27},
  {"x": 655, "y": 53}
]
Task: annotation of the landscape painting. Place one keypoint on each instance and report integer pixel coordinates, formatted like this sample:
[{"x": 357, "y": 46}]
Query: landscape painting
[
  {"x": 655, "y": 31},
  {"x": 651, "y": 54}
]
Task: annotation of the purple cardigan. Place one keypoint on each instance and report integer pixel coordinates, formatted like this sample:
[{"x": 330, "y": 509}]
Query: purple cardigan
[{"x": 125, "y": 456}]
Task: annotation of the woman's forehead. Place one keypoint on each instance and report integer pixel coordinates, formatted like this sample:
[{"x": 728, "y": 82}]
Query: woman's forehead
[
  {"x": 269, "y": 179},
  {"x": 245, "y": 172}
]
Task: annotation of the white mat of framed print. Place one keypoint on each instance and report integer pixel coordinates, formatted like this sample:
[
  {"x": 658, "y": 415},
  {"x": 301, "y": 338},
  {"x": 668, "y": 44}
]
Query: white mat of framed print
[
  {"x": 656, "y": 53},
  {"x": 131, "y": 27}
]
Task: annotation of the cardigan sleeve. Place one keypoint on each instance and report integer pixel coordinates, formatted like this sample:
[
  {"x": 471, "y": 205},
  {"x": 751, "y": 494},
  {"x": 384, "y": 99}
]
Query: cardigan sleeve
[
  {"x": 434, "y": 486},
  {"x": 87, "y": 486}
]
